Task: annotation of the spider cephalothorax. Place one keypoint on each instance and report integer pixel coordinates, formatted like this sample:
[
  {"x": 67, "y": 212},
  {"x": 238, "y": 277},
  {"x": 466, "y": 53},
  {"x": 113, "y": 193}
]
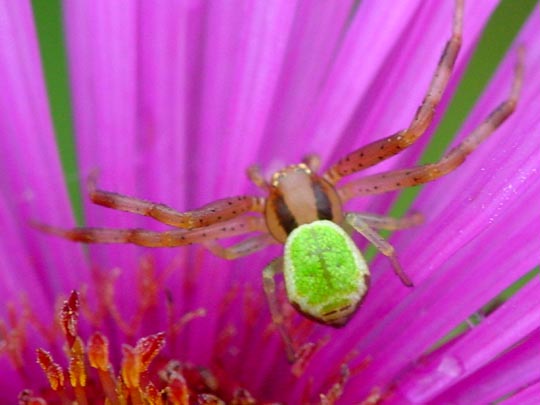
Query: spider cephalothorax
[{"x": 297, "y": 195}]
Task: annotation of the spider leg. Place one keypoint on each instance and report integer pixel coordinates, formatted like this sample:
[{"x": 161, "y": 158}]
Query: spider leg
[
  {"x": 241, "y": 249},
  {"x": 360, "y": 225},
  {"x": 398, "y": 179},
  {"x": 312, "y": 161},
  {"x": 390, "y": 223},
  {"x": 269, "y": 284},
  {"x": 382, "y": 149},
  {"x": 254, "y": 174},
  {"x": 215, "y": 212},
  {"x": 172, "y": 238}
]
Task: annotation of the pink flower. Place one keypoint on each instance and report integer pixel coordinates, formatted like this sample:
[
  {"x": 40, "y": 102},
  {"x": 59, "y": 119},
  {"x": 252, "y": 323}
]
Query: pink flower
[{"x": 171, "y": 104}]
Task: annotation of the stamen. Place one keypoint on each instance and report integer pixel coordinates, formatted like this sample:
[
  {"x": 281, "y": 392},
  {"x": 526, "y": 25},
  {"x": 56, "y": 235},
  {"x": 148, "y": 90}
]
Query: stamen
[
  {"x": 336, "y": 391},
  {"x": 98, "y": 351},
  {"x": 149, "y": 347},
  {"x": 77, "y": 372},
  {"x": 177, "y": 326},
  {"x": 304, "y": 354},
  {"x": 69, "y": 316},
  {"x": 52, "y": 370},
  {"x": 131, "y": 367},
  {"x": 12, "y": 339},
  {"x": 139, "y": 379},
  {"x": 177, "y": 389},
  {"x": 152, "y": 395}
]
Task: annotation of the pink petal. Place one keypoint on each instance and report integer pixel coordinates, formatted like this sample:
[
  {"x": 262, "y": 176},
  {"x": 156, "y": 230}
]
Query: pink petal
[
  {"x": 516, "y": 368},
  {"x": 506, "y": 327},
  {"x": 32, "y": 187},
  {"x": 528, "y": 396}
]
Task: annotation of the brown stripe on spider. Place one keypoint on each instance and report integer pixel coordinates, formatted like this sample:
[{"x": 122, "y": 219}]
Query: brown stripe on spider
[
  {"x": 285, "y": 216},
  {"x": 324, "y": 206}
]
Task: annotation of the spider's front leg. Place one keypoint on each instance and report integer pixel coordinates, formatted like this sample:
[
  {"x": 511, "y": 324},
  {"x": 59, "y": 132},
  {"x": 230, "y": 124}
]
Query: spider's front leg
[
  {"x": 398, "y": 179},
  {"x": 377, "y": 151},
  {"x": 313, "y": 162},
  {"x": 215, "y": 212}
]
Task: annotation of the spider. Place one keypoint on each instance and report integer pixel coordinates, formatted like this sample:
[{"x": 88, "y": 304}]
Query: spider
[{"x": 326, "y": 276}]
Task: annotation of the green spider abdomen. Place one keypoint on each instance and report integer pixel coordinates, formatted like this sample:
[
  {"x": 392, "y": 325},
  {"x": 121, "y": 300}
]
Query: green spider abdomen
[{"x": 326, "y": 276}]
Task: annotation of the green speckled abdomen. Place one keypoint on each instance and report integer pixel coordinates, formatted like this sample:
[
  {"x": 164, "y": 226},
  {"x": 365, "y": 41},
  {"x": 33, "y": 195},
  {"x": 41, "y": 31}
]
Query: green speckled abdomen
[{"x": 326, "y": 276}]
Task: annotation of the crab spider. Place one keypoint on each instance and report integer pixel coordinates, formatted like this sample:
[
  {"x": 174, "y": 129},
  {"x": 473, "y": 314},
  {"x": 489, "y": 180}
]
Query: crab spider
[{"x": 326, "y": 276}]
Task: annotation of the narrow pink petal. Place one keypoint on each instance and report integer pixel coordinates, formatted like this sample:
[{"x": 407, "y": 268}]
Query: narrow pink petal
[
  {"x": 19, "y": 275},
  {"x": 528, "y": 396},
  {"x": 509, "y": 373},
  {"x": 244, "y": 49},
  {"x": 517, "y": 318},
  {"x": 32, "y": 183},
  {"x": 101, "y": 41},
  {"x": 259, "y": 60},
  {"x": 162, "y": 58},
  {"x": 314, "y": 39}
]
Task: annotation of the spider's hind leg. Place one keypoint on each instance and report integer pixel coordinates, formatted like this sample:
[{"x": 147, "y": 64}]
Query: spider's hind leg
[
  {"x": 172, "y": 238},
  {"x": 391, "y": 224},
  {"x": 269, "y": 283},
  {"x": 360, "y": 225}
]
